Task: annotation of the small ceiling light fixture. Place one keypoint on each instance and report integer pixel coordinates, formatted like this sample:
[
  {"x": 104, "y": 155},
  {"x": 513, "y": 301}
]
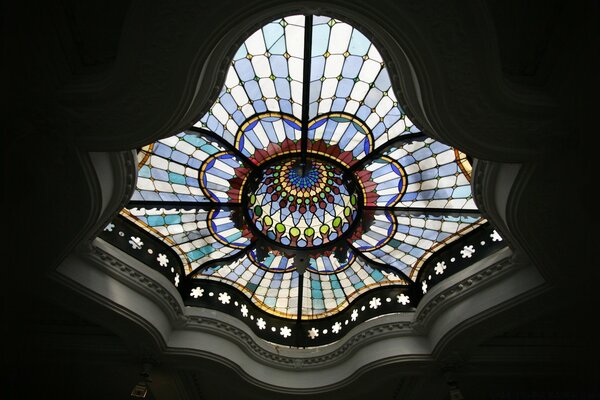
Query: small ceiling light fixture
[{"x": 141, "y": 389}]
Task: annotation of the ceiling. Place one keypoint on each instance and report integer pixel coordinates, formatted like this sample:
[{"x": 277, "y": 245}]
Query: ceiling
[{"x": 53, "y": 349}]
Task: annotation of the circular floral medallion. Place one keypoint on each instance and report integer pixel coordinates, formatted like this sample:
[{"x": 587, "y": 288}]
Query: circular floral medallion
[{"x": 302, "y": 205}]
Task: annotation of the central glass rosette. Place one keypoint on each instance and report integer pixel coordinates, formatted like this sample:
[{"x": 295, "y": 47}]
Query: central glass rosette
[{"x": 303, "y": 204}]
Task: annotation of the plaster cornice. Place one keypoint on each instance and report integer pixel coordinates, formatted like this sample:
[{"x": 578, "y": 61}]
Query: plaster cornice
[
  {"x": 116, "y": 173},
  {"x": 187, "y": 331}
]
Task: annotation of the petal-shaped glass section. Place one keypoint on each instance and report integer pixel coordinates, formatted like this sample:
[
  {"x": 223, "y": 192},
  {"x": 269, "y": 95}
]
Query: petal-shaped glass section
[
  {"x": 168, "y": 169},
  {"x": 404, "y": 240},
  {"x": 268, "y": 135},
  {"x": 304, "y": 201},
  {"x": 265, "y": 76},
  {"x": 200, "y": 236},
  {"x": 348, "y": 75}
]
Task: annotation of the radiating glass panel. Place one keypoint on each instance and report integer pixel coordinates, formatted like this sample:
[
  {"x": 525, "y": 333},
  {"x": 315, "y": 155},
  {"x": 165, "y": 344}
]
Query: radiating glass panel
[
  {"x": 273, "y": 291},
  {"x": 405, "y": 240},
  {"x": 222, "y": 176},
  {"x": 348, "y": 75},
  {"x": 431, "y": 174},
  {"x": 383, "y": 181},
  {"x": 341, "y": 137},
  {"x": 199, "y": 235},
  {"x": 265, "y": 75},
  {"x": 168, "y": 168},
  {"x": 360, "y": 277},
  {"x": 269, "y": 135},
  {"x": 328, "y": 294},
  {"x": 324, "y": 295},
  {"x": 328, "y": 262}
]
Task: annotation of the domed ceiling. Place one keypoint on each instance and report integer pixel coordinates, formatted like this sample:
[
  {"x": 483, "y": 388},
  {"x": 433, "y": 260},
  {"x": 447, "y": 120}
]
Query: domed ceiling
[{"x": 304, "y": 201}]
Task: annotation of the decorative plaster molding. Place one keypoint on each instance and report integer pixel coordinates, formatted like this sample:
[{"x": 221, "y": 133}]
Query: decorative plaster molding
[
  {"x": 150, "y": 287},
  {"x": 478, "y": 175},
  {"x": 117, "y": 175},
  {"x": 264, "y": 355},
  {"x": 435, "y": 304},
  {"x": 370, "y": 331},
  {"x": 131, "y": 276},
  {"x": 493, "y": 185}
]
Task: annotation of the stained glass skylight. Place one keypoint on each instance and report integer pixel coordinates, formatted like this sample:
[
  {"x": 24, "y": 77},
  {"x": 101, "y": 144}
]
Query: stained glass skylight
[{"x": 304, "y": 201}]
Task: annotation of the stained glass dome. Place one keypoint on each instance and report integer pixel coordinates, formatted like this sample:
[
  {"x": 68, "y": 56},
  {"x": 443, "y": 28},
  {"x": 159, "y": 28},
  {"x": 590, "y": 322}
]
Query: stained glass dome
[
  {"x": 304, "y": 201},
  {"x": 302, "y": 204}
]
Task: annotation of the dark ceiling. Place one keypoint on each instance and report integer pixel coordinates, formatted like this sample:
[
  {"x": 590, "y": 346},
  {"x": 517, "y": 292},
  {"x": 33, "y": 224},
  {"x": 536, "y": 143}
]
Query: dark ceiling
[{"x": 50, "y": 352}]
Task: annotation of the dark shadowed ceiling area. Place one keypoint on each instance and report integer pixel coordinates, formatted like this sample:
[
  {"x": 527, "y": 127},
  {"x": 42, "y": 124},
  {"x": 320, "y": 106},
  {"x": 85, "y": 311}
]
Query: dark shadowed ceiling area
[{"x": 54, "y": 350}]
